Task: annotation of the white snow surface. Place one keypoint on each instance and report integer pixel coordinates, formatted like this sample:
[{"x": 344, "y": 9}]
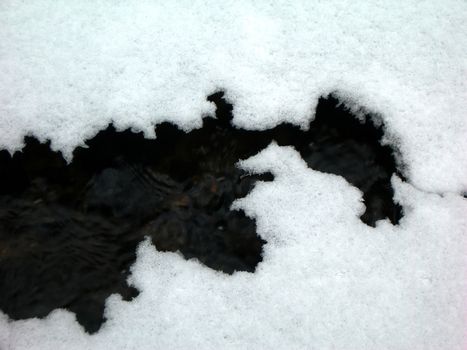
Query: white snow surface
[
  {"x": 327, "y": 281},
  {"x": 69, "y": 68}
]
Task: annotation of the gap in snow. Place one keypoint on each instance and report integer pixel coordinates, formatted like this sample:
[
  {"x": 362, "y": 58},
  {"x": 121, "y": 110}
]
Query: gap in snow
[{"x": 68, "y": 232}]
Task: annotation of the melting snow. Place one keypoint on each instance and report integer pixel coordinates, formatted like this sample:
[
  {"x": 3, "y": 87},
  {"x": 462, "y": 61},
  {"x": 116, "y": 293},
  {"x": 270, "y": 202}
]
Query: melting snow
[{"x": 326, "y": 280}]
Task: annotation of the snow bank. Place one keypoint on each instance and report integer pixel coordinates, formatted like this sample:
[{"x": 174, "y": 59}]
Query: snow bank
[{"x": 327, "y": 280}]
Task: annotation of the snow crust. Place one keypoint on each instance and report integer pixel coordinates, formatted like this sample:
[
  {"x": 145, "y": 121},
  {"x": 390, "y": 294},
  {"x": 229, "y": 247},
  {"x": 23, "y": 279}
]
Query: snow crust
[{"x": 327, "y": 281}]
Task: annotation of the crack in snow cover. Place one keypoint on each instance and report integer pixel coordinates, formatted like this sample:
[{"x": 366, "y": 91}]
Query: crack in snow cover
[
  {"x": 67, "y": 70},
  {"x": 84, "y": 220}
]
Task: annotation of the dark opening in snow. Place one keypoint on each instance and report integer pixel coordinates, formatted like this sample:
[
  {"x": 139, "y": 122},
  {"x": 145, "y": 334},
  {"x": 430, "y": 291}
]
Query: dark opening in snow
[{"x": 68, "y": 233}]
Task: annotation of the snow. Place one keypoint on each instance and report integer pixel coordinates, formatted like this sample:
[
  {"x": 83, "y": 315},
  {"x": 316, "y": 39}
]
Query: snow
[
  {"x": 327, "y": 281},
  {"x": 66, "y": 70}
]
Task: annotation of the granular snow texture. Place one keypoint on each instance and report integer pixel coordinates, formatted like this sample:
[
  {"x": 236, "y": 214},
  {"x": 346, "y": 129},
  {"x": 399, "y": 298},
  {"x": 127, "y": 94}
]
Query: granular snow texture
[{"x": 326, "y": 280}]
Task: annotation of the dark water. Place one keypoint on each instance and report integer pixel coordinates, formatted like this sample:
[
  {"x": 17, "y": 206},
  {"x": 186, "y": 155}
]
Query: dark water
[{"x": 68, "y": 233}]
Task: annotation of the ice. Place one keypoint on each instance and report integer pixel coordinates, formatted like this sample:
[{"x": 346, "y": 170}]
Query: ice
[{"x": 327, "y": 281}]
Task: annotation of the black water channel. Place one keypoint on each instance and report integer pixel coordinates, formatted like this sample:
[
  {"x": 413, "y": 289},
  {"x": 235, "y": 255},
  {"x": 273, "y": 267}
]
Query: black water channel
[{"x": 69, "y": 232}]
